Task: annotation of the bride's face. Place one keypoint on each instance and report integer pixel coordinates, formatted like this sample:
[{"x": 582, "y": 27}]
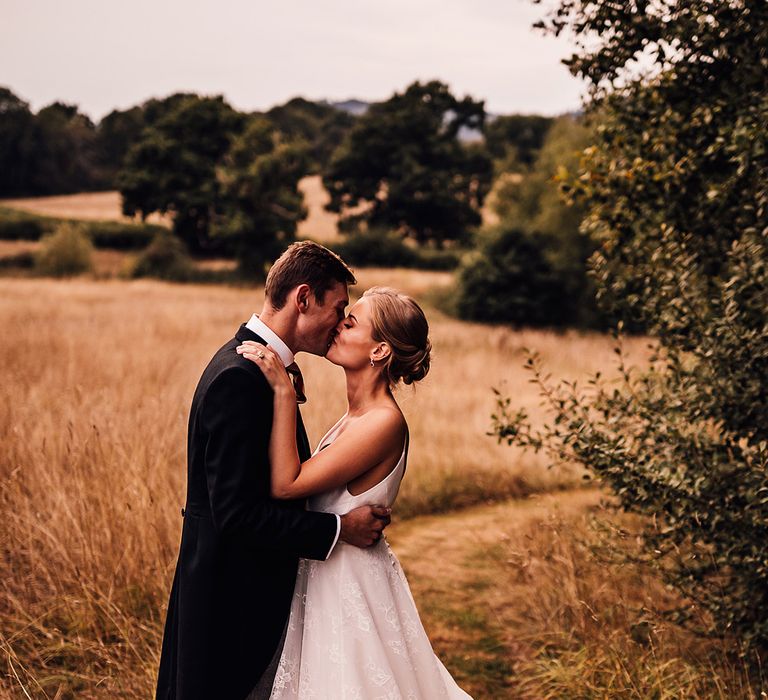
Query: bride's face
[{"x": 353, "y": 346}]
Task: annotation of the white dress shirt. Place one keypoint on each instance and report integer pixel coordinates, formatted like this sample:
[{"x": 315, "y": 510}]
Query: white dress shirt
[{"x": 287, "y": 356}]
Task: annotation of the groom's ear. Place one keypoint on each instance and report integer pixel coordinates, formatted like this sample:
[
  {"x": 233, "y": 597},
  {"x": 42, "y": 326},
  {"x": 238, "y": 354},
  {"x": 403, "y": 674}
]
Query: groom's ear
[{"x": 301, "y": 297}]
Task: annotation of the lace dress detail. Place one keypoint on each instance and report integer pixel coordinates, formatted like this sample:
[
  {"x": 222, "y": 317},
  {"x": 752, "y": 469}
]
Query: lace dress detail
[{"x": 354, "y": 632}]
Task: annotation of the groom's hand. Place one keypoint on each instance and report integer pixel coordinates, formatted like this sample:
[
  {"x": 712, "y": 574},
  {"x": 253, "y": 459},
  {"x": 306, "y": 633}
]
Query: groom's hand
[{"x": 363, "y": 526}]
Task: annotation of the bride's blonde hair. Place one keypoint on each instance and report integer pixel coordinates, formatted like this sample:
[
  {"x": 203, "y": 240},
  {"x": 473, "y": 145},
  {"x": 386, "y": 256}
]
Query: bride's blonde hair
[{"x": 400, "y": 322}]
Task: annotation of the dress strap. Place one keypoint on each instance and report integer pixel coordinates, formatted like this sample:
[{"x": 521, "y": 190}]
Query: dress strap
[{"x": 333, "y": 429}]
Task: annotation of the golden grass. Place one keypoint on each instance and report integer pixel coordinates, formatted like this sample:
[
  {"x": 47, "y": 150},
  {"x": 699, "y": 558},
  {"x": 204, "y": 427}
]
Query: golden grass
[
  {"x": 320, "y": 224},
  {"x": 97, "y": 381},
  {"x": 89, "y": 206},
  {"x": 9, "y": 248},
  {"x": 518, "y": 605}
]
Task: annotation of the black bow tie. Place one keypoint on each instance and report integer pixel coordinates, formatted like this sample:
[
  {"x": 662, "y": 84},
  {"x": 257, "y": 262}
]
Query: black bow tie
[{"x": 298, "y": 382}]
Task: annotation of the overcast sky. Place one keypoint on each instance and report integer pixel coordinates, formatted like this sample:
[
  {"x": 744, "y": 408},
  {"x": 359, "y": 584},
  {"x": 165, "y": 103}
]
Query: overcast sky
[{"x": 101, "y": 54}]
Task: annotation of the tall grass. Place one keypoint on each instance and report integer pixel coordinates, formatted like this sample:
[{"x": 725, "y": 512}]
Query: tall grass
[
  {"x": 522, "y": 602},
  {"x": 96, "y": 383}
]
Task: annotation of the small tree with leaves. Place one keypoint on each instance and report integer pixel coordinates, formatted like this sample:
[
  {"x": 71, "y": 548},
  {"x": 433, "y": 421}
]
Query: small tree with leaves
[
  {"x": 531, "y": 270},
  {"x": 172, "y": 167},
  {"x": 676, "y": 188},
  {"x": 261, "y": 201},
  {"x": 404, "y": 166}
]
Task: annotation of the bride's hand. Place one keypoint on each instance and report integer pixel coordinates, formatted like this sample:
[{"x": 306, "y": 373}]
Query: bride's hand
[{"x": 270, "y": 364}]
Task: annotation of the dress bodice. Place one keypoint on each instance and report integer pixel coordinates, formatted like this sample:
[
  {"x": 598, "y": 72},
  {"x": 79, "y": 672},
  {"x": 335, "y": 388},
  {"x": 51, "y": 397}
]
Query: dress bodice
[{"x": 341, "y": 501}]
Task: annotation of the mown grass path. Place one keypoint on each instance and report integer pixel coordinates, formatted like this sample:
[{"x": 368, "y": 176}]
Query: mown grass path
[{"x": 462, "y": 571}]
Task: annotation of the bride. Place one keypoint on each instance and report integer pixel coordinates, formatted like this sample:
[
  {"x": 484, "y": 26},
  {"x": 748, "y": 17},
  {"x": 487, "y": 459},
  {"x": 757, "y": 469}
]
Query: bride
[{"x": 354, "y": 631}]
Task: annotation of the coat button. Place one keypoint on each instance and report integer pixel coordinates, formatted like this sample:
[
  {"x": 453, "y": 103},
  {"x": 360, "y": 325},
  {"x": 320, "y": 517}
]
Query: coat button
[{"x": 183, "y": 512}]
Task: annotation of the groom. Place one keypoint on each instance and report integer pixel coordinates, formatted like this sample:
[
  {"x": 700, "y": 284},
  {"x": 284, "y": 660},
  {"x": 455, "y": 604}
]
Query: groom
[{"x": 239, "y": 552}]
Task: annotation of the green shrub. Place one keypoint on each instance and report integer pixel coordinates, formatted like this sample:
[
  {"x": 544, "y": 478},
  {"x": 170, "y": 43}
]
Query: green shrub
[
  {"x": 379, "y": 248},
  {"x": 122, "y": 236},
  {"x": 165, "y": 258},
  {"x": 429, "y": 259},
  {"x": 510, "y": 280},
  {"x": 24, "y": 226},
  {"x": 24, "y": 261},
  {"x": 67, "y": 251},
  {"x": 676, "y": 189},
  {"x": 21, "y": 226}
]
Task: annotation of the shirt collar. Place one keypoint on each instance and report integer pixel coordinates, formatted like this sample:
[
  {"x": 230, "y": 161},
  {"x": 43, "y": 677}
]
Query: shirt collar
[{"x": 273, "y": 339}]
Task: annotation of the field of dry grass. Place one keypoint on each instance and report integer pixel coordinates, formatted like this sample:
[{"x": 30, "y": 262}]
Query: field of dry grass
[
  {"x": 9, "y": 248},
  {"x": 86, "y": 206},
  {"x": 97, "y": 380},
  {"x": 520, "y": 602}
]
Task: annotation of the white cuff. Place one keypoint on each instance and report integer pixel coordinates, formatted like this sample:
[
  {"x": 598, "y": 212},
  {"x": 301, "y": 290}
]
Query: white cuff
[{"x": 338, "y": 532}]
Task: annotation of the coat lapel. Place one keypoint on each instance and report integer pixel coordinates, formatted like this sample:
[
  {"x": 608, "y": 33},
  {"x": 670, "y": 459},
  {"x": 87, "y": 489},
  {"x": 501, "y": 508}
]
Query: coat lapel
[{"x": 302, "y": 441}]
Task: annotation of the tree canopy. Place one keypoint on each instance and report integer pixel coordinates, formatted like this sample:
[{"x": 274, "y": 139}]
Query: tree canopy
[
  {"x": 261, "y": 201},
  {"x": 404, "y": 167},
  {"x": 53, "y": 151},
  {"x": 515, "y": 139},
  {"x": 172, "y": 168},
  {"x": 532, "y": 270},
  {"x": 321, "y": 126},
  {"x": 676, "y": 188}
]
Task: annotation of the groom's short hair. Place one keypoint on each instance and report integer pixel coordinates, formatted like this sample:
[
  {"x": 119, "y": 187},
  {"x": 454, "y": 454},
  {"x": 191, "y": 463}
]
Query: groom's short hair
[{"x": 308, "y": 263}]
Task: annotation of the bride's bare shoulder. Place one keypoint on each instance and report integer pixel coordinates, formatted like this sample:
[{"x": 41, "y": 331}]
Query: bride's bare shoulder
[
  {"x": 386, "y": 416},
  {"x": 385, "y": 423}
]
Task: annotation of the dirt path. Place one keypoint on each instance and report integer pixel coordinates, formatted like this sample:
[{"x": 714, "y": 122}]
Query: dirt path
[{"x": 461, "y": 568}]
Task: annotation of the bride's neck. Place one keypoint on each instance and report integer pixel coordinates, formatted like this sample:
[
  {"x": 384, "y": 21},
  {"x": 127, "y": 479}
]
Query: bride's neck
[{"x": 364, "y": 388}]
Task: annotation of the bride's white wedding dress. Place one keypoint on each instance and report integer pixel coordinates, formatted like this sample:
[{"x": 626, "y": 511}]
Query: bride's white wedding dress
[{"x": 354, "y": 632}]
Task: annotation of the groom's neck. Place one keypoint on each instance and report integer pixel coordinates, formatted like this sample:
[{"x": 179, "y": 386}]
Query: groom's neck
[{"x": 283, "y": 323}]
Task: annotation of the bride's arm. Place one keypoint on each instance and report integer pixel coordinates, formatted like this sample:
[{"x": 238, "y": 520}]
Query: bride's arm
[{"x": 377, "y": 435}]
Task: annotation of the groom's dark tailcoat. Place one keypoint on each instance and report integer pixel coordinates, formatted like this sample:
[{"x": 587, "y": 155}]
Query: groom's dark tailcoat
[{"x": 239, "y": 552}]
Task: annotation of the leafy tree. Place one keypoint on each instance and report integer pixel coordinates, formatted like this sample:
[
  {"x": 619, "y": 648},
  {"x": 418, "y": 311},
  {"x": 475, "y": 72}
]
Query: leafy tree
[
  {"x": 677, "y": 192},
  {"x": 509, "y": 280},
  {"x": 50, "y": 152},
  {"x": 156, "y": 109},
  {"x": 261, "y": 202},
  {"x": 64, "y": 160},
  {"x": 116, "y": 133},
  {"x": 532, "y": 270},
  {"x": 320, "y": 125},
  {"x": 534, "y": 201},
  {"x": 514, "y": 140},
  {"x": 172, "y": 168},
  {"x": 404, "y": 159},
  {"x": 17, "y": 144}
]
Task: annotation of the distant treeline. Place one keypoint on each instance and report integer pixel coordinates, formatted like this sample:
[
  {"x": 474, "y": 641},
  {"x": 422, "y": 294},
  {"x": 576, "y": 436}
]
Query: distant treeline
[
  {"x": 60, "y": 150},
  {"x": 409, "y": 177}
]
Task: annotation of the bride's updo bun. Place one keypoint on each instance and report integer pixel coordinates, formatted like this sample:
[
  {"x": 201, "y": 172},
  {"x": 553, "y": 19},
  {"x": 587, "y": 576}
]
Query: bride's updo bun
[{"x": 399, "y": 321}]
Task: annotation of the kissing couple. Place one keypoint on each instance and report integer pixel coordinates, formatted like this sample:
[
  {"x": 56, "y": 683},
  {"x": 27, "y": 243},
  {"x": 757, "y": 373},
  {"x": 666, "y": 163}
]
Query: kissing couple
[{"x": 284, "y": 585}]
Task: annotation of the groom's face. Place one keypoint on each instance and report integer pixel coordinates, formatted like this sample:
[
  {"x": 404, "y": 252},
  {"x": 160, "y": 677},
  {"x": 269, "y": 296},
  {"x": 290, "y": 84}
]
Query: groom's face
[{"x": 320, "y": 320}]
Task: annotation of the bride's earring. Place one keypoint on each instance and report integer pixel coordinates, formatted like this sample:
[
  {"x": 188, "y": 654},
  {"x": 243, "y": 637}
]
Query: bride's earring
[{"x": 372, "y": 362}]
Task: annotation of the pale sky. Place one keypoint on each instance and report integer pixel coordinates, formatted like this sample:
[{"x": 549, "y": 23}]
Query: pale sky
[{"x": 104, "y": 54}]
